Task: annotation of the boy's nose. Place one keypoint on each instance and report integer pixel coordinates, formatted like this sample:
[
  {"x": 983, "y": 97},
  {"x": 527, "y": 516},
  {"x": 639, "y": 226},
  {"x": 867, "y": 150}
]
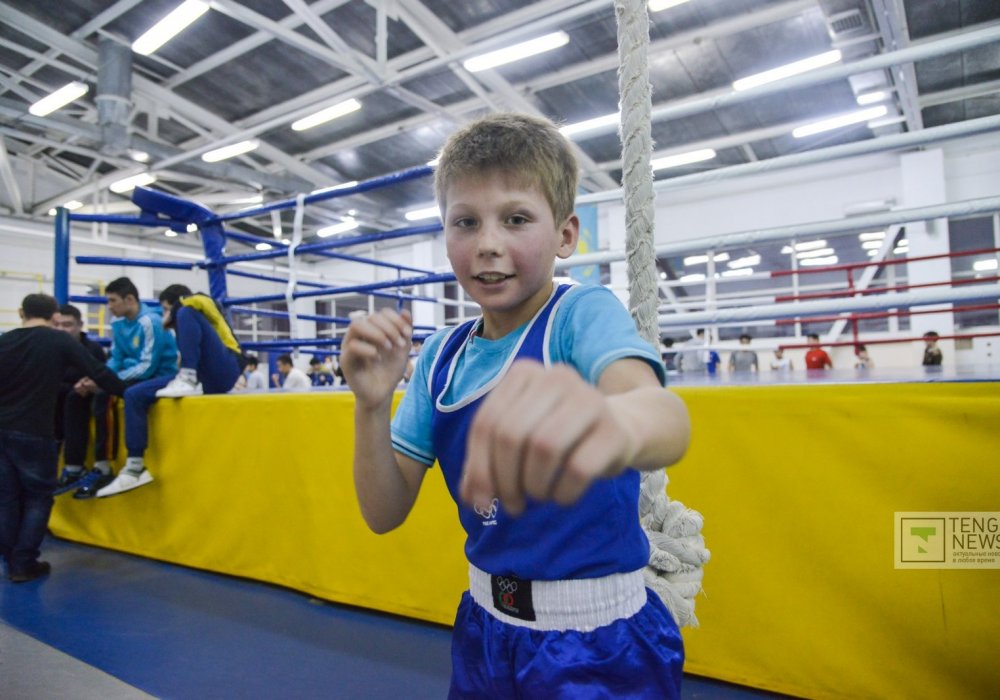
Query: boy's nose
[{"x": 489, "y": 240}]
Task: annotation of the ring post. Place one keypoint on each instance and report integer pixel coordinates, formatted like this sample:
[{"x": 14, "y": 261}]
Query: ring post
[{"x": 61, "y": 271}]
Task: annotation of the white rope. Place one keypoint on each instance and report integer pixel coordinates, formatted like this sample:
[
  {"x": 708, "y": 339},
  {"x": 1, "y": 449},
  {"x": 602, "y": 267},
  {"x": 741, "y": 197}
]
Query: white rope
[
  {"x": 676, "y": 548},
  {"x": 293, "y": 318}
]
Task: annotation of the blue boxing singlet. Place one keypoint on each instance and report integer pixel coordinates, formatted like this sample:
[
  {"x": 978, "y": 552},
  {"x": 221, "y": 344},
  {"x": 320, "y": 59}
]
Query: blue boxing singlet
[{"x": 597, "y": 536}]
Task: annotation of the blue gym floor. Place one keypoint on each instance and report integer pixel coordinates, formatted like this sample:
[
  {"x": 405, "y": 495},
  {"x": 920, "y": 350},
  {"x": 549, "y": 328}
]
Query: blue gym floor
[{"x": 173, "y": 632}]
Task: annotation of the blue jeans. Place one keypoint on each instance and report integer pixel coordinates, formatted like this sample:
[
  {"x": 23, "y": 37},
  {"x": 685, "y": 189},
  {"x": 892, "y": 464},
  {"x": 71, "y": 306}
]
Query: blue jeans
[
  {"x": 200, "y": 348},
  {"x": 27, "y": 479}
]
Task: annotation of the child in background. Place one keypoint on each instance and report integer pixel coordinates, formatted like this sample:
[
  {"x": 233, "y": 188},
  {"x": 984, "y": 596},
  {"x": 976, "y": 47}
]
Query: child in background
[
  {"x": 540, "y": 413},
  {"x": 816, "y": 357},
  {"x": 932, "y": 353}
]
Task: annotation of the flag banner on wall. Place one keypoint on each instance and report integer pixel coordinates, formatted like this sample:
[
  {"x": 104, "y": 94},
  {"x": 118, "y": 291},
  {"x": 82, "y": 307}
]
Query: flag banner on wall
[{"x": 587, "y": 274}]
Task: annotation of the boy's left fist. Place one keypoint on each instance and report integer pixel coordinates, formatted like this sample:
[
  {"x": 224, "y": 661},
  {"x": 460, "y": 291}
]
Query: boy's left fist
[{"x": 544, "y": 434}]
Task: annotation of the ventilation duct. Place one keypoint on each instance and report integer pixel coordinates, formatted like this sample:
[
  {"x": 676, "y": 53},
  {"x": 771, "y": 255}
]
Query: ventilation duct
[{"x": 114, "y": 92}]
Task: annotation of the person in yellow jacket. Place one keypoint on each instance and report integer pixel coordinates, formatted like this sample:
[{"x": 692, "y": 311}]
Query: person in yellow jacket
[{"x": 210, "y": 363}]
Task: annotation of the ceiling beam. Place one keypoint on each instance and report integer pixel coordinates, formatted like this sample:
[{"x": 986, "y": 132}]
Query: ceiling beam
[
  {"x": 891, "y": 19},
  {"x": 9, "y": 181}
]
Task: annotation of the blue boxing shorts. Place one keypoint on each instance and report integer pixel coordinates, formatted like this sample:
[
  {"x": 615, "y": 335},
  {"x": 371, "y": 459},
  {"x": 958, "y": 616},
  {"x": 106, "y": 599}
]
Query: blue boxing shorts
[{"x": 584, "y": 639}]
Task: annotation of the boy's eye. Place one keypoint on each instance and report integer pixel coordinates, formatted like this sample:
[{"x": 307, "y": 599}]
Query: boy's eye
[
  {"x": 517, "y": 219},
  {"x": 465, "y": 222}
]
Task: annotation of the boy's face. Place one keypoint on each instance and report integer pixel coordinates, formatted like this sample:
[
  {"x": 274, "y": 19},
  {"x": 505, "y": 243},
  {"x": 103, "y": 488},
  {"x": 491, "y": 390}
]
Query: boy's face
[
  {"x": 68, "y": 324},
  {"x": 284, "y": 367},
  {"x": 120, "y": 306},
  {"x": 502, "y": 242}
]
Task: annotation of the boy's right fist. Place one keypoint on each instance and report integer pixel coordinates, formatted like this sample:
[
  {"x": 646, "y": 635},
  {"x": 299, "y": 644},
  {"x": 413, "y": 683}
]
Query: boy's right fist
[{"x": 374, "y": 354}]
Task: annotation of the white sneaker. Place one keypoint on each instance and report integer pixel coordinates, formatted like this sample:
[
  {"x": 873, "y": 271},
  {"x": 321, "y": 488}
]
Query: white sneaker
[
  {"x": 178, "y": 388},
  {"x": 126, "y": 481}
]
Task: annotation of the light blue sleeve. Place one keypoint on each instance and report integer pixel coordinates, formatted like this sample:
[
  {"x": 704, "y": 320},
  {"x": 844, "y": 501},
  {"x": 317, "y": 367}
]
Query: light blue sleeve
[
  {"x": 592, "y": 329},
  {"x": 411, "y": 424}
]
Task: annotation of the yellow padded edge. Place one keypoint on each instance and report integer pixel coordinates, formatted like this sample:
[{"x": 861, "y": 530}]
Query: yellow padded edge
[{"x": 798, "y": 485}]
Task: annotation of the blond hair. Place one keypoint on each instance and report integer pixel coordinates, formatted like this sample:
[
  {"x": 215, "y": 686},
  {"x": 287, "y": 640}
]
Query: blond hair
[{"x": 530, "y": 150}]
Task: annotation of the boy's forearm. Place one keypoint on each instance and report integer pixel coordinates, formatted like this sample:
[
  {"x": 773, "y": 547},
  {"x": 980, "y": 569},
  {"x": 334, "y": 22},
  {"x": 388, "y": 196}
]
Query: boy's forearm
[
  {"x": 659, "y": 423},
  {"x": 383, "y": 493}
]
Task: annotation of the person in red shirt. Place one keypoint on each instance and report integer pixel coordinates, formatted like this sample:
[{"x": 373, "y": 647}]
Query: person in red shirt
[{"x": 816, "y": 357}]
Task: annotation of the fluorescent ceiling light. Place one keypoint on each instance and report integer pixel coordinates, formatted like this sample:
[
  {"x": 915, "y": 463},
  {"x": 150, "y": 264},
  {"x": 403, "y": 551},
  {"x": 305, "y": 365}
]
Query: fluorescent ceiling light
[
  {"x": 169, "y": 27},
  {"x": 192, "y": 228},
  {"x": 170, "y": 233},
  {"x": 872, "y": 245},
  {"x": 683, "y": 159},
  {"x": 138, "y": 156},
  {"x": 741, "y": 272},
  {"x": 900, "y": 250},
  {"x": 73, "y": 204},
  {"x": 60, "y": 98},
  {"x": 659, "y": 5},
  {"x": 328, "y": 114},
  {"x": 341, "y": 186},
  {"x": 984, "y": 265},
  {"x": 516, "y": 52},
  {"x": 871, "y": 98},
  {"x": 820, "y": 262},
  {"x": 806, "y": 245},
  {"x": 423, "y": 213},
  {"x": 748, "y": 261},
  {"x": 344, "y": 226},
  {"x": 697, "y": 277},
  {"x": 818, "y": 253},
  {"x": 130, "y": 183},
  {"x": 887, "y": 121},
  {"x": 263, "y": 246},
  {"x": 840, "y": 121},
  {"x": 871, "y": 236},
  {"x": 591, "y": 124},
  {"x": 872, "y": 253},
  {"x": 230, "y": 151},
  {"x": 787, "y": 70},
  {"x": 903, "y": 243},
  {"x": 702, "y": 259}
]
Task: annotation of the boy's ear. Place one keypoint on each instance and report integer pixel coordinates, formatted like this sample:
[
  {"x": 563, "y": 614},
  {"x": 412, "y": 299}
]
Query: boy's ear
[{"x": 569, "y": 235}]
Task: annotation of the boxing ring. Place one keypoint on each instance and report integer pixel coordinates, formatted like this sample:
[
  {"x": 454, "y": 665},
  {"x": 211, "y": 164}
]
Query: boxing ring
[{"x": 799, "y": 483}]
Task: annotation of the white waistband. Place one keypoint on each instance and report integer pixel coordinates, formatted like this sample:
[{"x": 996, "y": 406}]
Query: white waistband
[{"x": 577, "y": 604}]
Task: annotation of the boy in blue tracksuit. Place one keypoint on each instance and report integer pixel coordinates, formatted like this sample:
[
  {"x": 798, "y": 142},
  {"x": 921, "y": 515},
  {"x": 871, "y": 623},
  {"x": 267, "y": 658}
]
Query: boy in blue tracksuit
[
  {"x": 141, "y": 349},
  {"x": 210, "y": 363},
  {"x": 540, "y": 413}
]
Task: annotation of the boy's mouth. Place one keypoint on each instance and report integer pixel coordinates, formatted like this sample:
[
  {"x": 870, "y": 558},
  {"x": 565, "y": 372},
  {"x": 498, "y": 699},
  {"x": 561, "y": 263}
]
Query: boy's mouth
[{"x": 491, "y": 277}]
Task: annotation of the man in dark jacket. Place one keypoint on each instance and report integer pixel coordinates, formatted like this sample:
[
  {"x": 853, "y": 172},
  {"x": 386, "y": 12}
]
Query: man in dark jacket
[{"x": 33, "y": 359}]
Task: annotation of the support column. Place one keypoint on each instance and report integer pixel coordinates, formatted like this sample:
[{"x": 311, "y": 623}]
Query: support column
[
  {"x": 611, "y": 236},
  {"x": 424, "y": 312},
  {"x": 923, "y": 184}
]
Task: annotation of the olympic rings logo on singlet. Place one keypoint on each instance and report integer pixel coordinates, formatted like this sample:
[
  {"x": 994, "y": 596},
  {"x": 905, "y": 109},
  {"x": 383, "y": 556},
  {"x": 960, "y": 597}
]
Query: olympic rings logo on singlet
[{"x": 488, "y": 512}]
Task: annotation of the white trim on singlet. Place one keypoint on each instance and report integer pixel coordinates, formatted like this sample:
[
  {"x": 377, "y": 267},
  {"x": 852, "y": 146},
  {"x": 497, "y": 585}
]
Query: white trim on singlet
[
  {"x": 486, "y": 388},
  {"x": 546, "y": 353},
  {"x": 437, "y": 355}
]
